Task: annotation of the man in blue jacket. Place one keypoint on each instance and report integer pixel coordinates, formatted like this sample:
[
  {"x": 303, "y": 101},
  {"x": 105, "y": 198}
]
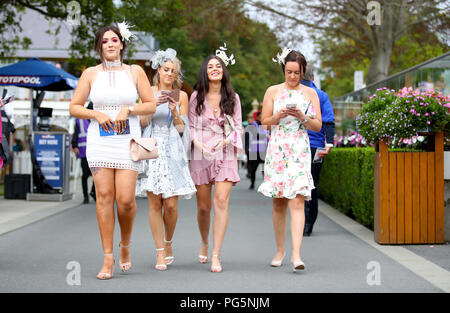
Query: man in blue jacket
[{"x": 322, "y": 139}]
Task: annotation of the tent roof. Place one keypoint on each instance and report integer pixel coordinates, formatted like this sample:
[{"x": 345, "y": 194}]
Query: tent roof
[{"x": 37, "y": 74}]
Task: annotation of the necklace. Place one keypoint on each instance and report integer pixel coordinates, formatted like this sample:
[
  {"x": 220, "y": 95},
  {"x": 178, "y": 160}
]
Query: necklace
[{"x": 111, "y": 64}]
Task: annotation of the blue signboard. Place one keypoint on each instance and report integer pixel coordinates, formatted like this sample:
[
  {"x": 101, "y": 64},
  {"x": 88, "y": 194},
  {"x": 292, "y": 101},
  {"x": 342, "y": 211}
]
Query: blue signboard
[{"x": 49, "y": 149}]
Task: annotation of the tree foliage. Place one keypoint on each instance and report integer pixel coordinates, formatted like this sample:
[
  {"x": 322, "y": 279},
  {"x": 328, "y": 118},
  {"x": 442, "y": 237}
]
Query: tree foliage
[
  {"x": 350, "y": 19},
  {"x": 195, "y": 28},
  {"x": 341, "y": 56}
]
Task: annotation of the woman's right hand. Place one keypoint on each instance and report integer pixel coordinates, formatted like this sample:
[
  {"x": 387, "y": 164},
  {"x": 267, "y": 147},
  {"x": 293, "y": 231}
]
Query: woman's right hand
[
  {"x": 280, "y": 114},
  {"x": 104, "y": 120},
  {"x": 202, "y": 147},
  {"x": 161, "y": 99}
]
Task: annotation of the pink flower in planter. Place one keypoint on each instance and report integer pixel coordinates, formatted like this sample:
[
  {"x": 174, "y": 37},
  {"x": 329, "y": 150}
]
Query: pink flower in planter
[{"x": 428, "y": 122}]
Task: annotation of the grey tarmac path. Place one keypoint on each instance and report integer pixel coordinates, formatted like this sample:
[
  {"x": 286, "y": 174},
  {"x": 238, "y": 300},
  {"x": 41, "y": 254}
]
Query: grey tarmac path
[{"x": 35, "y": 258}]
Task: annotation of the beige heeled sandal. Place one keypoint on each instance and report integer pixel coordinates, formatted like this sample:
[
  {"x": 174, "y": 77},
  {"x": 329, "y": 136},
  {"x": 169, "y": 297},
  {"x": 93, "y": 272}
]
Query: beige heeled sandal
[
  {"x": 160, "y": 267},
  {"x": 124, "y": 267},
  {"x": 169, "y": 259},
  {"x": 216, "y": 269},
  {"x": 203, "y": 258},
  {"x": 105, "y": 275}
]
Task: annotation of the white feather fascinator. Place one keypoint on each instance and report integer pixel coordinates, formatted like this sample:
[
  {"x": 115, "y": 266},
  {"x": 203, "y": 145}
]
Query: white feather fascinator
[
  {"x": 124, "y": 29},
  {"x": 223, "y": 55},
  {"x": 161, "y": 57},
  {"x": 281, "y": 57}
]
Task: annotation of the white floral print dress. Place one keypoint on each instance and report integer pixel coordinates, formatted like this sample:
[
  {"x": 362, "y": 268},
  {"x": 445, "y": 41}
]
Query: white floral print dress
[{"x": 287, "y": 169}]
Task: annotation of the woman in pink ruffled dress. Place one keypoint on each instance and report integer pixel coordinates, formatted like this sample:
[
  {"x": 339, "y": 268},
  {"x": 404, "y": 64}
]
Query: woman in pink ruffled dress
[{"x": 215, "y": 123}]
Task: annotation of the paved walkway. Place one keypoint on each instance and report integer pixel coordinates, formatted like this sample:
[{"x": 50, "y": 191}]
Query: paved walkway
[{"x": 43, "y": 244}]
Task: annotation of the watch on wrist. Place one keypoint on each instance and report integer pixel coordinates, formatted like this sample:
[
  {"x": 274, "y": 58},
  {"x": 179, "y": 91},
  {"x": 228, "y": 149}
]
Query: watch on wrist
[
  {"x": 130, "y": 108},
  {"x": 329, "y": 145},
  {"x": 305, "y": 120}
]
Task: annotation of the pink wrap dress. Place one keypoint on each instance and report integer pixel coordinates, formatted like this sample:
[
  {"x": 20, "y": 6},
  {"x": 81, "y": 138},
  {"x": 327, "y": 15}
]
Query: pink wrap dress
[{"x": 222, "y": 164}]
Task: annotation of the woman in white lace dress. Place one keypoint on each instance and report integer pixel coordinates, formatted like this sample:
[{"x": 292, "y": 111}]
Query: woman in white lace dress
[
  {"x": 166, "y": 177},
  {"x": 114, "y": 88}
]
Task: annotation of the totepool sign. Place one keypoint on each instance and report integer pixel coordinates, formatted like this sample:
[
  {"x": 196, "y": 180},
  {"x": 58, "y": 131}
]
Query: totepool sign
[{"x": 30, "y": 80}]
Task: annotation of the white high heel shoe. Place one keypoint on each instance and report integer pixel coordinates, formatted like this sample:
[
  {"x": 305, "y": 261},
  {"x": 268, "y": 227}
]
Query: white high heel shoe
[
  {"x": 217, "y": 268},
  {"x": 298, "y": 265},
  {"x": 169, "y": 259},
  {"x": 278, "y": 263},
  {"x": 203, "y": 258},
  {"x": 160, "y": 267}
]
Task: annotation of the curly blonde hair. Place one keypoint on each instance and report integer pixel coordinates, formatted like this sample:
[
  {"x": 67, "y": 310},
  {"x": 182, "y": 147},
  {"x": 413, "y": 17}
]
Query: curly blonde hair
[{"x": 178, "y": 82}]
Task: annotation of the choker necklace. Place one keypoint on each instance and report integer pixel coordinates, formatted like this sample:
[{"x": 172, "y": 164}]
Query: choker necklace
[{"x": 111, "y": 64}]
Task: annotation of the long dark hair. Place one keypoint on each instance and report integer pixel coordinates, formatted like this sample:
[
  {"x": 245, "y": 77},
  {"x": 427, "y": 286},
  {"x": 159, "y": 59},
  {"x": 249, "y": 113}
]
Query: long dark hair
[
  {"x": 228, "y": 95},
  {"x": 98, "y": 43}
]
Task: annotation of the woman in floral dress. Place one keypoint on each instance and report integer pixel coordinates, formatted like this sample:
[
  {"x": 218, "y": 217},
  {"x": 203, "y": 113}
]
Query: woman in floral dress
[{"x": 289, "y": 109}]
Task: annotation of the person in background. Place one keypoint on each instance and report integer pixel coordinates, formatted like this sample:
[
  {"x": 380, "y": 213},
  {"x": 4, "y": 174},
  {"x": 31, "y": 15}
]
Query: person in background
[
  {"x": 1, "y": 105},
  {"x": 256, "y": 140},
  {"x": 321, "y": 139},
  {"x": 79, "y": 148}
]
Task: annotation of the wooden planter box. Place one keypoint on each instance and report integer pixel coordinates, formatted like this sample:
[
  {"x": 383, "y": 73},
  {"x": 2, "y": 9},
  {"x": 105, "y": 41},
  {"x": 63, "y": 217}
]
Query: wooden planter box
[{"x": 409, "y": 194}]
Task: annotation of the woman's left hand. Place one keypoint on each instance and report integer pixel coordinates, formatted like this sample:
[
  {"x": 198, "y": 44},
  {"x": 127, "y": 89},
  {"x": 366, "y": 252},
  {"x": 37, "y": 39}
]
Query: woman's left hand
[
  {"x": 121, "y": 119},
  {"x": 172, "y": 104},
  {"x": 218, "y": 146}
]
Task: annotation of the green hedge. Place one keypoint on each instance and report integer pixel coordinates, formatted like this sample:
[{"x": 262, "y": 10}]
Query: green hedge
[{"x": 347, "y": 182}]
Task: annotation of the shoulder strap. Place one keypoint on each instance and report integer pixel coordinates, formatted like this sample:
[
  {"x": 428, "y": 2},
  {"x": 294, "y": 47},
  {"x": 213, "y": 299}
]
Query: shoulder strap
[{"x": 129, "y": 72}]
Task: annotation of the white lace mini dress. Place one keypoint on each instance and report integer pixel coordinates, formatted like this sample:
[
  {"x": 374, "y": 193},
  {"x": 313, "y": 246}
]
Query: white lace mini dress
[
  {"x": 111, "y": 91},
  {"x": 167, "y": 175}
]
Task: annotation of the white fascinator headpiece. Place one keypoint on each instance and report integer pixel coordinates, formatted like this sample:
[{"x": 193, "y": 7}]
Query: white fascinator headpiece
[
  {"x": 282, "y": 57},
  {"x": 161, "y": 57},
  {"x": 124, "y": 29},
  {"x": 223, "y": 55}
]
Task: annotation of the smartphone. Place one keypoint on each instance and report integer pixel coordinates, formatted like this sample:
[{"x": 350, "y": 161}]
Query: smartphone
[
  {"x": 8, "y": 99},
  {"x": 291, "y": 106},
  {"x": 175, "y": 94}
]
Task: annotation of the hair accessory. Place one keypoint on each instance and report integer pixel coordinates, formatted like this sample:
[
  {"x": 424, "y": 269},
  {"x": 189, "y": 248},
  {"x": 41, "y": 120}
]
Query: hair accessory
[
  {"x": 281, "y": 57},
  {"x": 161, "y": 57},
  {"x": 125, "y": 31},
  {"x": 223, "y": 55}
]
